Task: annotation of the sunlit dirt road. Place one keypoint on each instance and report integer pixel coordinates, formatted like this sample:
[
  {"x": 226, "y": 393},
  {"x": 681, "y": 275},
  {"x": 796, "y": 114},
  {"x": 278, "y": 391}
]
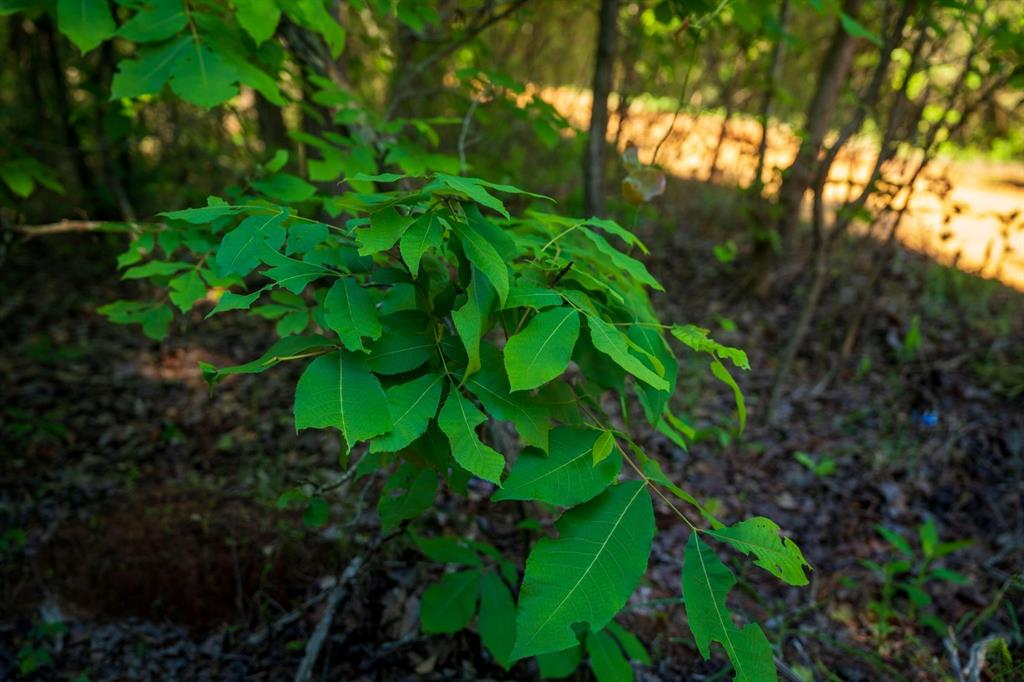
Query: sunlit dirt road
[{"x": 975, "y": 220}]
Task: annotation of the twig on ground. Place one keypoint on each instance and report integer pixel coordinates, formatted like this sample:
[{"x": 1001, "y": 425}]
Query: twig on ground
[{"x": 316, "y": 642}]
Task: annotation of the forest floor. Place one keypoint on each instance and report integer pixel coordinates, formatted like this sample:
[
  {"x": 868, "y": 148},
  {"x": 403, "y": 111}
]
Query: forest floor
[{"x": 140, "y": 512}]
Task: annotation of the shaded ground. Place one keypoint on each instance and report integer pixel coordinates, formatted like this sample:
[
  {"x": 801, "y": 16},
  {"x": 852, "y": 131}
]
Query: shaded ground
[{"x": 149, "y": 525}]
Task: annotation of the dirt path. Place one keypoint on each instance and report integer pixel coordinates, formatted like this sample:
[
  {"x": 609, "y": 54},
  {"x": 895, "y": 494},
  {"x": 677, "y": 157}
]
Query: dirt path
[{"x": 978, "y": 224}]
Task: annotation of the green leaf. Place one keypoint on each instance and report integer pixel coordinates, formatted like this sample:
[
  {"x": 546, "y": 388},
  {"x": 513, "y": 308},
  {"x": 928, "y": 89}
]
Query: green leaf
[
  {"x": 776, "y": 554},
  {"x": 603, "y": 447},
  {"x": 635, "y": 269},
  {"x": 459, "y": 419},
  {"x": 606, "y": 659},
  {"x": 559, "y": 664},
  {"x": 896, "y": 540},
  {"x": 241, "y": 249},
  {"x": 339, "y": 390},
  {"x": 86, "y": 23},
  {"x": 532, "y": 297},
  {"x": 406, "y": 343},
  {"x": 612, "y": 227},
  {"x": 614, "y": 343},
  {"x": 448, "y": 606},
  {"x": 204, "y": 214},
  {"x": 542, "y": 350},
  {"x": 857, "y": 30},
  {"x": 258, "y": 17},
  {"x": 290, "y": 273},
  {"x": 473, "y": 189},
  {"x": 313, "y": 15},
  {"x": 304, "y": 237},
  {"x": 317, "y": 512},
  {"x": 497, "y": 611},
  {"x": 722, "y": 374},
  {"x": 154, "y": 318},
  {"x": 412, "y": 405},
  {"x": 285, "y": 188},
  {"x": 632, "y": 646},
  {"x": 229, "y": 300},
  {"x": 652, "y": 342},
  {"x": 471, "y": 320},
  {"x": 284, "y": 349},
  {"x": 155, "y": 268},
  {"x": 146, "y": 75},
  {"x": 446, "y": 549},
  {"x": 202, "y": 76},
  {"x": 156, "y": 20},
  {"x": 407, "y": 493},
  {"x": 698, "y": 339},
  {"x": 186, "y": 290},
  {"x": 483, "y": 255},
  {"x": 567, "y": 476},
  {"x": 349, "y": 311},
  {"x": 706, "y": 583},
  {"x": 490, "y": 385},
  {"x": 386, "y": 227},
  {"x": 588, "y": 572},
  {"x": 426, "y": 232}
]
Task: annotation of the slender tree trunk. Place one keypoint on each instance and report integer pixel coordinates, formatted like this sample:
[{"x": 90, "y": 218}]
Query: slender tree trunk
[
  {"x": 774, "y": 73},
  {"x": 833, "y": 75},
  {"x": 86, "y": 178},
  {"x": 593, "y": 159}
]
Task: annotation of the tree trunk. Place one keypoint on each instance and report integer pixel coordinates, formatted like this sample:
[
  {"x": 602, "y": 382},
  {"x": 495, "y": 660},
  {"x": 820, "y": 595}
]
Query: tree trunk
[
  {"x": 774, "y": 73},
  {"x": 593, "y": 159},
  {"x": 833, "y": 75}
]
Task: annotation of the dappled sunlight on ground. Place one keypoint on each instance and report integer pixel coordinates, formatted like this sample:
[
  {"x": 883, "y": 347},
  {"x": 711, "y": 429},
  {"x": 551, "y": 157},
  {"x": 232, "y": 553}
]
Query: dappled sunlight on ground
[{"x": 967, "y": 213}]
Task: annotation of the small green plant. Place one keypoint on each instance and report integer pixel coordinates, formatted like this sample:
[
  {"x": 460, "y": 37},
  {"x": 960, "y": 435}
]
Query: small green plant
[
  {"x": 905, "y": 578},
  {"x": 912, "y": 341},
  {"x": 34, "y": 654},
  {"x": 821, "y": 467}
]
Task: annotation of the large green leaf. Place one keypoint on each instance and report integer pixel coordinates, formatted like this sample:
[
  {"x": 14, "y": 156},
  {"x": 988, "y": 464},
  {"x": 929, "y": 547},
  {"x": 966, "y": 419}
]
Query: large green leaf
[
  {"x": 459, "y": 419},
  {"x": 426, "y": 232},
  {"x": 542, "y": 350},
  {"x": 490, "y": 385},
  {"x": 87, "y": 23},
  {"x": 258, "y": 17},
  {"x": 471, "y": 319},
  {"x": 146, "y": 75},
  {"x": 241, "y": 249},
  {"x": 559, "y": 664},
  {"x": 286, "y": 188},
  {"x": 566, "y": 476},
  {"x": 776, "y": 554},
  {"x": 706, "y": 583},
  {"x": 406, "y": 343},
  {"x": 412, "y": 406},
  {"x": 483, "y": 255},
  {"x": 349, "y": 311},
  {"x": 614, "y": 343},
  {"x": 339, "y": 390},
  {"x": 606, "y": 658},
  {"x": 156, "y": 20},
  {"x": 497, "y": 612},
  {"x": 448, "y": 605},
  {"x": 636, "y": 270},
  {"x": 291, "y": 273},
  {"x": 203, "y": 77},
  {"x": 407, "y": 493},
  {"x": 588, "y": 572},
  {"x": 386, "y": 227}
]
